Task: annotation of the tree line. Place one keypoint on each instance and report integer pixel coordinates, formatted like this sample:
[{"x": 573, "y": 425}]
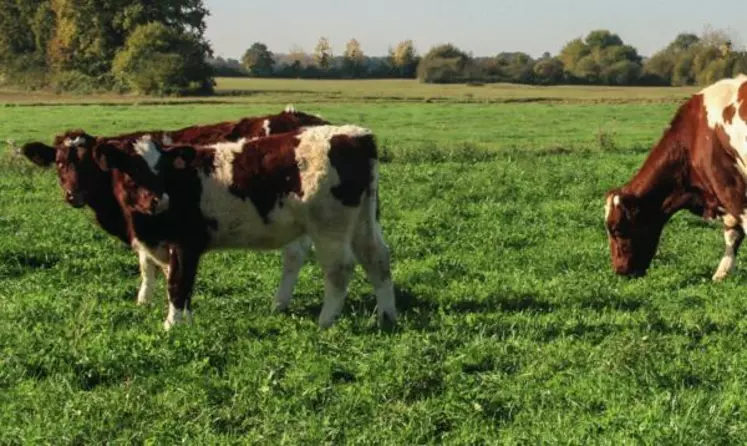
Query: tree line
[
  {"x": 159, "y": 47},
  {"x": 151, "y": 47},
  {"x": 599, "y": 58}
]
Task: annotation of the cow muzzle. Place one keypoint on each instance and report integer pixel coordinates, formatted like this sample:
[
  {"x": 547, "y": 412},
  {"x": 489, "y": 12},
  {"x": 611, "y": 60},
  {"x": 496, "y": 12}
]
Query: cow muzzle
[
  {"x": 159, "y": 205},
  {"x": 75, "y": 199}
]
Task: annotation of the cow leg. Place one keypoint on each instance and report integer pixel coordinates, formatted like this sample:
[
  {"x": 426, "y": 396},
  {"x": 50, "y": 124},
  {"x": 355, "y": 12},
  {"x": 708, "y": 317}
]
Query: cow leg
[
  {"x": 182, "y": 272},
  {"x": 336, "y": 259},
  {"x": 733, "y": 236},
  {"x": 147, "y": 276},
  {"x": 372, "y": 252},
  {"x": 294, "y": 255}
]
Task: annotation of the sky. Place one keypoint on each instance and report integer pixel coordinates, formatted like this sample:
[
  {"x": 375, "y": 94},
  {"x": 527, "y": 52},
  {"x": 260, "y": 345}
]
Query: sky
[{"x": 484, "y": 27}]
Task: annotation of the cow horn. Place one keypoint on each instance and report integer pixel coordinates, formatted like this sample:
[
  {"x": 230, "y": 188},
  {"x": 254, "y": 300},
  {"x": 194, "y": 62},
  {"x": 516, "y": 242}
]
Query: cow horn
[{"x": 290, "y": 108}]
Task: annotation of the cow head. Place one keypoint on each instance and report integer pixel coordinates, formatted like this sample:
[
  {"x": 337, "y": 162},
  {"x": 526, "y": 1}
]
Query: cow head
[
  {"x": 633, "y": 230},
  {"x": 140, "y": 185},
  {"x": 302, "y": 119},
  {"x": 71, "y": 153}
]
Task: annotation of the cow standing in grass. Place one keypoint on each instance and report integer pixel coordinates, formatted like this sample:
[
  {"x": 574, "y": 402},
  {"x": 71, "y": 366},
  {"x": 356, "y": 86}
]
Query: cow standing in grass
[
  {"x": 84, "y": 183},
  {"x": 320, "y": 182},
  {"x": 698, "y": 165}
]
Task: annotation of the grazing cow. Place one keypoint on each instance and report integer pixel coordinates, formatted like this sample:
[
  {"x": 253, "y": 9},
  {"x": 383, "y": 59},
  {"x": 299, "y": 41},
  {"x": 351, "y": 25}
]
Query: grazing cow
[
  {"x": 698, "y": 165},
  {"x": 261, "y": 194},
  {"x": 84, "y": 183}
]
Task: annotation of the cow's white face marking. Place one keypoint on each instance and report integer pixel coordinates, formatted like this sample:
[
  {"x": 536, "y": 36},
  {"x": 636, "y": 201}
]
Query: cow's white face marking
[
  {"x": 146, "y": 148},
  {"x": 74, "y": 142},
  {"x": 266, "y": 126}
]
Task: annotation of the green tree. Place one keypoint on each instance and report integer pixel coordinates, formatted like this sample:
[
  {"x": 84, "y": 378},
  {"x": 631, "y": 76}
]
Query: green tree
[
  {"x": 548, "y": 71},
  {"x": 160, "y": 60},
  {"x": 258, "y": 60},
  {"x": 601, "y": 58},
  {"x": 443, "y": 63}
]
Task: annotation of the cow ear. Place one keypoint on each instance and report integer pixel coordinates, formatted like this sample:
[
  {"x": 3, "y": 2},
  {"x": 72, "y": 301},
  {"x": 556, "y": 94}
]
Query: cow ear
[
  {"x": 180, "y": 157},
  {"x": 108, "y": 156},
  {"x": 39, "y": 153}
]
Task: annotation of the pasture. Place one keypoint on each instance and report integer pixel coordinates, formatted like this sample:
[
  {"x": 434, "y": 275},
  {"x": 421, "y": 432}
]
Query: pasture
[{"x": 513, "y": 328}]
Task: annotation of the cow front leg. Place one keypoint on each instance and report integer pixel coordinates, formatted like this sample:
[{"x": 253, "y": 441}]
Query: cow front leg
[
  {"x": 733, "y": 236},
  {"x": 147, "y": 277},
  {"x": 182, "y": 271}
]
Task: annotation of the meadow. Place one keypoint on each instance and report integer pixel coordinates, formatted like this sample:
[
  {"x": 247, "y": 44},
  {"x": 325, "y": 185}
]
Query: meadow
[{"x": 513, "y": 327}]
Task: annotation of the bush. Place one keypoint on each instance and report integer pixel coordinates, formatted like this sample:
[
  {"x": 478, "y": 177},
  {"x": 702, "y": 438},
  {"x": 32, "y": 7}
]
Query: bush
[{"x": 159, "y": 60}]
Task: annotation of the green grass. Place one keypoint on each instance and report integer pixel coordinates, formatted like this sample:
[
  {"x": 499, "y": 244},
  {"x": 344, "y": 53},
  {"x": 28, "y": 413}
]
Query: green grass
[
  {"x": 300, "y": 91},
  {"x": 513, "y": 330}
]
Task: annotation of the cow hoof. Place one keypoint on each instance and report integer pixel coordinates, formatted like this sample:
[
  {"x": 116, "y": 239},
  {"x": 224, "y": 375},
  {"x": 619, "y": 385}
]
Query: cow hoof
[
  {"x": 388, "y": 319},
  {"x": 281, "y": 305},
  {"x": 719, "y": 276}
]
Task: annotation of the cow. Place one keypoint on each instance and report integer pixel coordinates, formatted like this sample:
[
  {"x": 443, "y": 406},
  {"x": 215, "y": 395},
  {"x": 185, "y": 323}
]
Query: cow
[
  {"x": 320, "y": 182},
  {"x": 698, "y": 164},
  {"x": 85, "y": 184}
]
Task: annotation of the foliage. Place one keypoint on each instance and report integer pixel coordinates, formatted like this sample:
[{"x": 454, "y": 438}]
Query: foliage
[
  {"x": 60, "y": 37},
  {"x": 157, "y": 59},
  {"x": 601, "y": 58},
  {"x": 443, "y": 64},
  {"x": 323, "y": 53},
  {"x": 258, "y": 60}
]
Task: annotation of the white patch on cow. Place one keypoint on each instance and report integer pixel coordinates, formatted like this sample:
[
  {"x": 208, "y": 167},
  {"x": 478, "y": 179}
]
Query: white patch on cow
[
  {"x": 616, "y": 200},
  {"x": 607, "y": 207},
  {"x": 146, "y": 148},
  {"x": 266, "y": 127},
  {"x": 74, "y": 142},
  {"x": 167, "y": 140},
  {"x": 717, "y": 98}
]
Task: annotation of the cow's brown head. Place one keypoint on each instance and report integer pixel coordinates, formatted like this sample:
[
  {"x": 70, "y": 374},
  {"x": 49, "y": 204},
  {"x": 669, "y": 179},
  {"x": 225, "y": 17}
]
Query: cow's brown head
[
  {"x": 633, "y": 231},
  {"x": 302, "y": 119},
  {"x": 71, "y": 153},
  {"x": 139, "y": 184}
]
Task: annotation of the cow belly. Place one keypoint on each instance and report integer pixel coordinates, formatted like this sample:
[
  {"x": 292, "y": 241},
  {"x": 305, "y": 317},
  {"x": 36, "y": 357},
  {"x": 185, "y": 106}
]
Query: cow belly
[{"x": 241, "y": 226}]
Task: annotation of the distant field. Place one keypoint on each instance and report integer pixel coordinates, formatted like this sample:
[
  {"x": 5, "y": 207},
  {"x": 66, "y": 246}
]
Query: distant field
[
  {"x": 513, "y": 328},
  {"x": 261, "y": 91}
]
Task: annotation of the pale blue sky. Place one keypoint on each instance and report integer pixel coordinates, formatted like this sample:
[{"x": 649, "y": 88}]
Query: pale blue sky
[{"x": 482, "y": 26}]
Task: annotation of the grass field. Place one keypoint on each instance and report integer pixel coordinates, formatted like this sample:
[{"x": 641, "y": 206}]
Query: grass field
[{"x": 513, "y": 329}]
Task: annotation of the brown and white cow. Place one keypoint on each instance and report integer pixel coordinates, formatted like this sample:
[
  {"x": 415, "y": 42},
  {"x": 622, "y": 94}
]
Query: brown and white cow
[
  {"x": 84, "y": 183},
  {"x": 698, "y": 165},
  {"x": 320, "y": 182}
]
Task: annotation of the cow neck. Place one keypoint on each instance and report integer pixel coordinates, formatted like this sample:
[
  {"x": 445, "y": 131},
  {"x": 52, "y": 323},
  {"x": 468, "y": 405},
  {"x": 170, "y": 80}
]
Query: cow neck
[
  {"x": 661, "y": 183},
  {"x": 101, "y": 199}
]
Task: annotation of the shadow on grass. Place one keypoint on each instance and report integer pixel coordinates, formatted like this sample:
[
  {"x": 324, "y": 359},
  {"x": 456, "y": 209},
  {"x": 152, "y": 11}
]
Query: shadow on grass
[{"x": 15, "y": 264}]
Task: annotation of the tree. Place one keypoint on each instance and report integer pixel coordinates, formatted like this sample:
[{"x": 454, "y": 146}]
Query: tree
[
  {"x": 323, "y": 54},
  {"x": 258, "y": 60},
  {"x": 353, "y": 58},
  {"x": 548, "y": 71},
  {"x": 160, "y": 60},
  {"x": 404, "y": 58},
  {"x": 601, "y": 58},
  {"x": 443, "y": 63}
]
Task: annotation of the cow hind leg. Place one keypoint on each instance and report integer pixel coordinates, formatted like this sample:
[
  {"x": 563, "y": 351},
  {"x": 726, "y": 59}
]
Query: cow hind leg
[
  {"x": 733, "y": 237},
  {"x": 182, "y": 271},
  {"x": 337, "y": 261},
  {"x": 294, "y": 255},
  {"x": 372, "y": 252}
]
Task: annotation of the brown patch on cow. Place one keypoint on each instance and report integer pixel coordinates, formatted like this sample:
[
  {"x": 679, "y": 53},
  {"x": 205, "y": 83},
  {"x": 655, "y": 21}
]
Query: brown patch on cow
[
  {"x": 729, "y": 113},
  {"x": 203, "y": 134},
  {"x": 265, "y": 171},
  {"x": 280, "y": 123},
  {"x": 742, "y": 99},
  {"x": 353, "y": 158}
]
